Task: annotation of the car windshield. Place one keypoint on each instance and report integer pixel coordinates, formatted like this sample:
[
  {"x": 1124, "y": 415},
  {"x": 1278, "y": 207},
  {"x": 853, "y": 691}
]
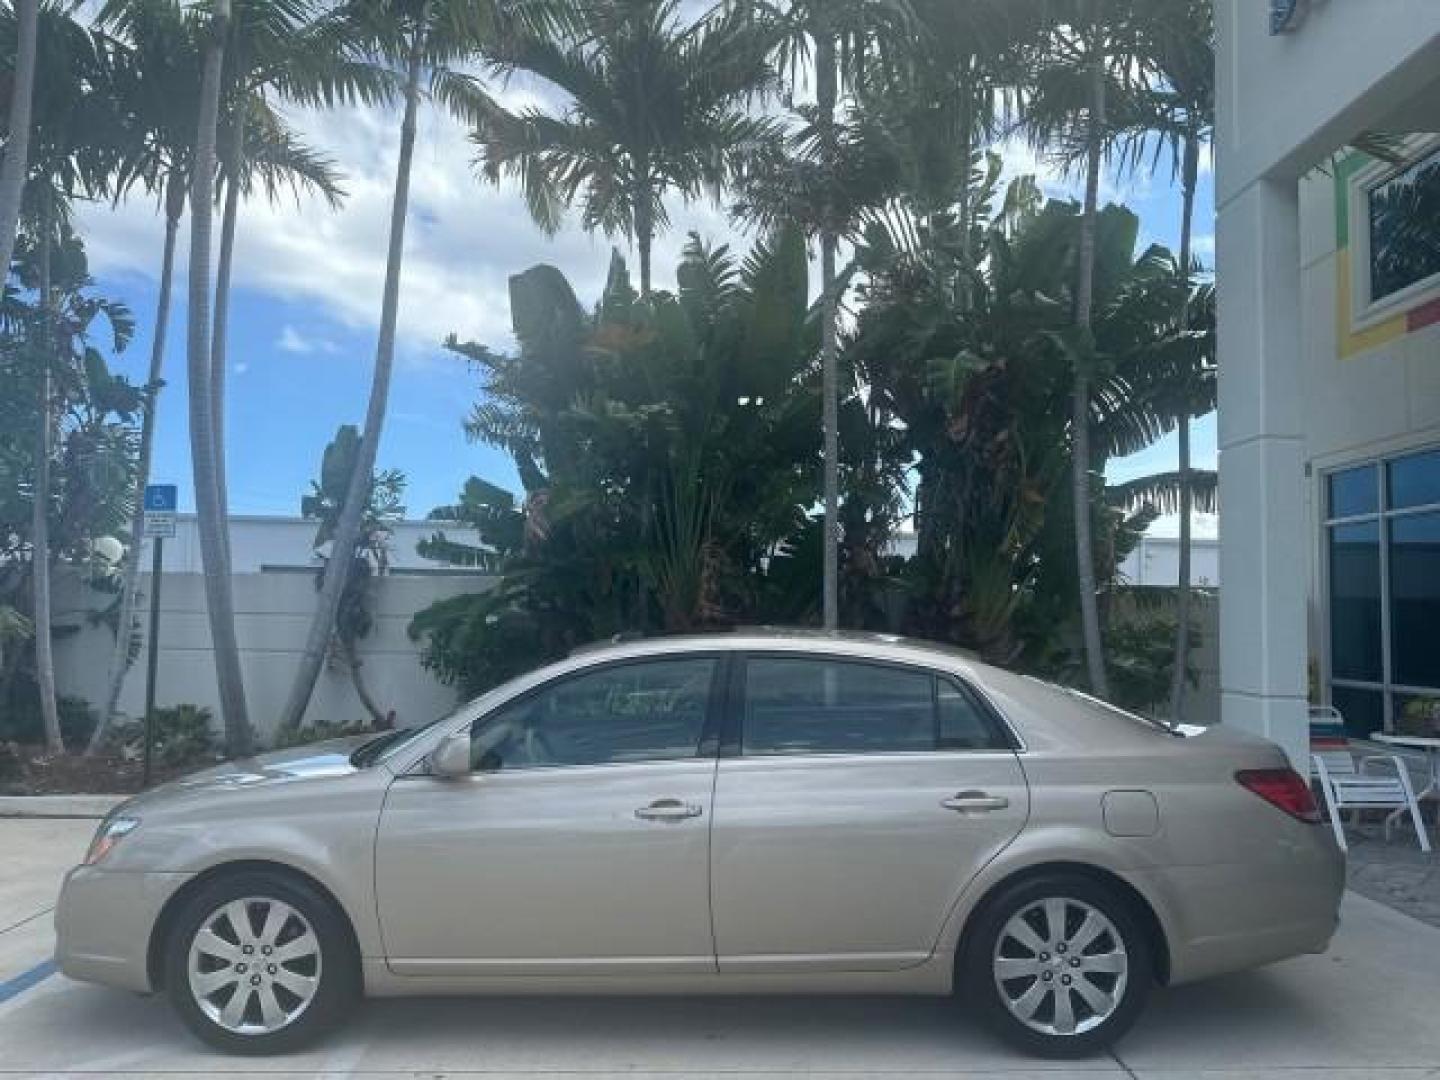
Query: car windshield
[{"x": 391, "y": 742}]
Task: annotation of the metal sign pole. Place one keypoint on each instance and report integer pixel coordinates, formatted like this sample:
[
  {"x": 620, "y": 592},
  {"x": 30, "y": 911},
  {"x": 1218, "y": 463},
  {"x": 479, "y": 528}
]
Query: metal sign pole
[
  {"x": 152, "y": 652},
  {"x": 160, "y": 502}
]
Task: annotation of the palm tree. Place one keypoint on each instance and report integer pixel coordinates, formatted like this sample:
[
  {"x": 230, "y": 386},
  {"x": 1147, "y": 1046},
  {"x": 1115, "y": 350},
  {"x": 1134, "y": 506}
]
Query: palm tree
[
  {"x": 163, "y": 61},
  {"x": 841, "y": 37},
  {"x": 219, "y": 595},
  {"x": 73, "y": 140},
  {"x": 651, "y": 107},
  {"x": 1086, "y": 61},
  {"x": 1180, "y": 38},
  {"x": 17, "y": 145},
  {"x": 428, "y": 39},
  {"x": 296, "y": 52}
]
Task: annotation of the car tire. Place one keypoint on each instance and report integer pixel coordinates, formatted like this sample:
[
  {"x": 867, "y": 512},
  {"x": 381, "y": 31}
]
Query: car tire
[
  {"x": 1058, "y": 994},
  {"x": 271, "y": 987}
]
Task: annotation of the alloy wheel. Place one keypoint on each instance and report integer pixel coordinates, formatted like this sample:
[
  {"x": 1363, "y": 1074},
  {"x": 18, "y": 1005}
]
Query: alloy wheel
[
  {"x": 1061, "y": 966},
  {"x": 254, "y": 965}
]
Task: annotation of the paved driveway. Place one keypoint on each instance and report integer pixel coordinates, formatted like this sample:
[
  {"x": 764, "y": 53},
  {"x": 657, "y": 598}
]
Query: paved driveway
[{"x": 1366, "y": 1010}]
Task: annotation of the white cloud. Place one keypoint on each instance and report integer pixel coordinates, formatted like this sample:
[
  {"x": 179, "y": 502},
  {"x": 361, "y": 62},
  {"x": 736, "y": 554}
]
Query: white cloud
[
  {"x": 291, "y": 340},
  {"x": 241, "y": 368},
  {"x": 464, "y": 238}
]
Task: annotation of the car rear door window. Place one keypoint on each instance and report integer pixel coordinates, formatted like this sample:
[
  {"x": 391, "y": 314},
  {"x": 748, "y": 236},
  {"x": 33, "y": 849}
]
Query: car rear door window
[
  {"x": 645, "y": 711},
  {"x": 814, "y": 706}
]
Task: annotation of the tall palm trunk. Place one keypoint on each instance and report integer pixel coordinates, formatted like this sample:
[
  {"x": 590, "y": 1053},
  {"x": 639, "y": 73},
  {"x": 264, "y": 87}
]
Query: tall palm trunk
[
  {"x": 219, "y": 343},
  {"x": 347, "y": 528},
  {"x": 643, "y": 214},
  {"x": 826, "y": 93},
  {"x": 1080, "y": 392},
  {"x": 17, "y": 148},
  {"x": 130, "y": 579},
  {"x": 203, "y": 450},
  {"x": 1178, "y": 683},
  {"x": 40, "y": 513}
]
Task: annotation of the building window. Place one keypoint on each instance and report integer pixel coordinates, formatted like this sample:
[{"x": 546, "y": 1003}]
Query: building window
[
  {"x": 1383, "y": 555},
  {"x": 1404, "y": 214}
]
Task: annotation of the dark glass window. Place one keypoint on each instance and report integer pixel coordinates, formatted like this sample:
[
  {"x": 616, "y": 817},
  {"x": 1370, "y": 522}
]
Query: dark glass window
[
  {"x": 1364, "y": 710},
  {"x": 816, "y": 706},
  {"x": 1415, "y": 480},
  {"x": 1415, "y": 600},
  {"x": 965, "y": 724},
  {"x": 1355, "y": 647},
  {"x": 1405, "y": 229},
  {"x": 648, "y": 711},
  {"x": 1354, "y": 492}
]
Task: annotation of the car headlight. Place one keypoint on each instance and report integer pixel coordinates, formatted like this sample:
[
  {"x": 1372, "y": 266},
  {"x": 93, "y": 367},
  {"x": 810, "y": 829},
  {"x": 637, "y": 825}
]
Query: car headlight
[{"x": 111, "y": 832}]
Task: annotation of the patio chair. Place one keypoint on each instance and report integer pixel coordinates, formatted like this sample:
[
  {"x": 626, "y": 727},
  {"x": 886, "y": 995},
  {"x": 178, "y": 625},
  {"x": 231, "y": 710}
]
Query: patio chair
[{"x": 1375, "y": 782}]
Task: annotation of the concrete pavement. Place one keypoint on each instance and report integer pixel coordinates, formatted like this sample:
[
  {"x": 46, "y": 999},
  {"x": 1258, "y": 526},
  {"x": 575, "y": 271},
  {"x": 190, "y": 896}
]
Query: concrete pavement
[{"x": 1365, "y": 1010}]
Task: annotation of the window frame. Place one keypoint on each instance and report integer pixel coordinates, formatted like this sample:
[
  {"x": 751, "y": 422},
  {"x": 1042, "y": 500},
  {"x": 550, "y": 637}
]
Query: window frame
[
  {"x": 732, "y": 744},
  {"x": 1365, "y": 310},
  {"x": 706, "y": 748},
  {"x": 1388, "y": 689}
]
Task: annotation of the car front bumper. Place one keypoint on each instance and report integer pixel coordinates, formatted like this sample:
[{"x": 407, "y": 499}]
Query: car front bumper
[{"x": 104, "y": 921}]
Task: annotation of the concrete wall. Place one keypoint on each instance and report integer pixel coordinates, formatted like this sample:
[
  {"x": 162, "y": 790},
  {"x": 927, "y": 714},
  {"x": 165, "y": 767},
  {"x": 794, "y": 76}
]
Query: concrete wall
[
  {"x": 272, "y": 614},
  {"x": 258, "y": 543}
]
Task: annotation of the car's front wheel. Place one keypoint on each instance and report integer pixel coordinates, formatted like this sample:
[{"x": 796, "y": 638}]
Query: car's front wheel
[
  {"x": 1059, "y": 966},
  {"x": 260, "y": 963}
]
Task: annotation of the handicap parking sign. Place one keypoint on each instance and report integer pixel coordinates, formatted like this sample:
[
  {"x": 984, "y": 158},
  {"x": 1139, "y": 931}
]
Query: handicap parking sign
[{"x": 161, "y": 498}]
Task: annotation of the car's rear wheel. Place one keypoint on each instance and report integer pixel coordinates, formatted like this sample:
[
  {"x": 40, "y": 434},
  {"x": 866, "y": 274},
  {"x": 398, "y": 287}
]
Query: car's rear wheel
[
  {"x": 1059, "y": 965},
  {"x": 260, "y": 963}
]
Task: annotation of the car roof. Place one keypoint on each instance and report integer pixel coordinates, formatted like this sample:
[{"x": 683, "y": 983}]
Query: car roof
[{"x": 784, "y": 638}]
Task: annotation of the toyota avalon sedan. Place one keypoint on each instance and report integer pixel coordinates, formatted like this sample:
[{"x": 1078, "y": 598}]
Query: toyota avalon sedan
[{"x": 761, "y": 813}]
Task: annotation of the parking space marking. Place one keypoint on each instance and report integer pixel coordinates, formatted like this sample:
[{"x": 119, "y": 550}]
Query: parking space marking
[
  {"x": 13, "y": 988},
  {"x": 28, "y": 919}
]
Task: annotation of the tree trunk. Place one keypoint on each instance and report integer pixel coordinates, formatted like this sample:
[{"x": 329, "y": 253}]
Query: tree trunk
[
  {"x": 239, "y": 740},
  {"x": 17, "y": 148},
  {"x": 827, "y": 91},
  {"x": 347, "y": 529},
  {"x": 1178, "y": 678},
  {"x": 1080, "y": 393},
  {"x": 644, "y": 235},
  {"x": 130, "y": 579},
  {"x": 362, "y": 691},
  {"x": 40, "y": 514},
  {"x": 234, "y": 156}
]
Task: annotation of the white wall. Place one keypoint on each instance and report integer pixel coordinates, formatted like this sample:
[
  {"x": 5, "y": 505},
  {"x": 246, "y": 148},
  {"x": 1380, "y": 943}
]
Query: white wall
[
  {"x": 1156, "y": 563},
  {"x": 259, "y": 542},
  {"x": 272, "y": 614}
]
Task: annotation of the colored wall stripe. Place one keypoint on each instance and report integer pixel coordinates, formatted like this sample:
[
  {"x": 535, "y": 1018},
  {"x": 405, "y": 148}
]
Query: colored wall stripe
[
  {"x": 26, "y": 979},
  {"x": 1424, "y": 315},
  {"x": 1350, "y": 341}
]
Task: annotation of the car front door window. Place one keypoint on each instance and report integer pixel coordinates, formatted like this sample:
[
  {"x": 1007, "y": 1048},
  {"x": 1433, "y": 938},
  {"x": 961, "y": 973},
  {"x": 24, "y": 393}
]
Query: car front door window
[{"x": 645, "y": 711}]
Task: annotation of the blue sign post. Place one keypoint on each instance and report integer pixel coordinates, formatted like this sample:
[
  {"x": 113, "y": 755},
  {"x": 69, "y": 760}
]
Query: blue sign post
[{"x": 160, "y": 503}]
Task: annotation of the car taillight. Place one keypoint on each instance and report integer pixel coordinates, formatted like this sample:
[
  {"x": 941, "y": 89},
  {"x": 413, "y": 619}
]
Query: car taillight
[{"x": 1282, "y": 788}]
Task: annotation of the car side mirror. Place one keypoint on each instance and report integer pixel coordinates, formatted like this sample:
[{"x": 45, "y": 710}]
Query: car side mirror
[{"x": 451, "y": 759}]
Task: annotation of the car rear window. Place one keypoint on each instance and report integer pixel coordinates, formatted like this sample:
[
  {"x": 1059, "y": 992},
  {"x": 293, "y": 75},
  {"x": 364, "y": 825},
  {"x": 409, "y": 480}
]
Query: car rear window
[{"x": 808, "y": 705}]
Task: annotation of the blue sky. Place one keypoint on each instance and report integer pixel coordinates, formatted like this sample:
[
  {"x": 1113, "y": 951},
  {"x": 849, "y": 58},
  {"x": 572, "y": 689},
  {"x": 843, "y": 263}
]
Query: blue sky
[{"x": 306, "y": 307}]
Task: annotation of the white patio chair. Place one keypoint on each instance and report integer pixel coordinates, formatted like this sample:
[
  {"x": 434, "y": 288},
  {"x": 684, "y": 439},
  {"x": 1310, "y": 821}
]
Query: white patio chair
[{"x": 1379, "y": 782}]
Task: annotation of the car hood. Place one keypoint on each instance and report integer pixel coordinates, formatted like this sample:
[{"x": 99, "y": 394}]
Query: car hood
[{"x": 300, "y": 763}]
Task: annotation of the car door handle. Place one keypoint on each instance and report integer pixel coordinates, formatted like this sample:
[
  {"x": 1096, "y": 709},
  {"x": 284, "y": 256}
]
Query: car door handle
[
  {"x": 975, "y": 802},
  {"x": 668, "y": 810}
]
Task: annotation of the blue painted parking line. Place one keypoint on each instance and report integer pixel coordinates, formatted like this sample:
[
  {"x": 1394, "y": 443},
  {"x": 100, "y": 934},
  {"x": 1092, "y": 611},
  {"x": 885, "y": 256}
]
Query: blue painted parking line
[{"x": 26, "y": 979}]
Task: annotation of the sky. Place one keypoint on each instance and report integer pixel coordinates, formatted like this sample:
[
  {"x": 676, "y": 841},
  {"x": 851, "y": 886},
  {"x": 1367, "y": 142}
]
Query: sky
[{"x": 306, "y": 303}]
